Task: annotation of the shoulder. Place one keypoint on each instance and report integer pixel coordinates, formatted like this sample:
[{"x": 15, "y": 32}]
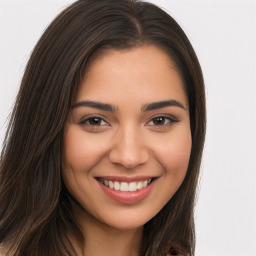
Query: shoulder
[{"x": 2, "y": 250}]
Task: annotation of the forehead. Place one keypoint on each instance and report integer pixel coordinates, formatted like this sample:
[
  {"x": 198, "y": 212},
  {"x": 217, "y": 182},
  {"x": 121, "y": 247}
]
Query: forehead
[
  {"x": 146, "y": 71},
  {"x": 137, "y": 54}
]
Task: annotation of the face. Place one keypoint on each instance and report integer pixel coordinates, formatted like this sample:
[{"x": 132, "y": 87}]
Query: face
[{"x": 127, "y": 140}]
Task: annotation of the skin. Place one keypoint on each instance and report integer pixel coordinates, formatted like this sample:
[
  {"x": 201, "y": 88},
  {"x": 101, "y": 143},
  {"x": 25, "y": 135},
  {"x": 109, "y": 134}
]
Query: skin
[{"x": 126, "y": 142}]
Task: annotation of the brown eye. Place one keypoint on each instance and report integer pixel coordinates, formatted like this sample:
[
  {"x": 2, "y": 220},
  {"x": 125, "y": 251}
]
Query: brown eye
[
  {"x": 162, "y": 121},
  {"x": 159, "y": 120},
  {"x": 94, "y": 121}
]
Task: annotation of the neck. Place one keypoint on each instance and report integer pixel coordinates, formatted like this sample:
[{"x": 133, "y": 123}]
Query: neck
[{"x": 101, "y": 239}]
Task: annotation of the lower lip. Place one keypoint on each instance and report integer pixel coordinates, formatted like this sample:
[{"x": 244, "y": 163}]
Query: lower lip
[{"x": 128, "y": 197}]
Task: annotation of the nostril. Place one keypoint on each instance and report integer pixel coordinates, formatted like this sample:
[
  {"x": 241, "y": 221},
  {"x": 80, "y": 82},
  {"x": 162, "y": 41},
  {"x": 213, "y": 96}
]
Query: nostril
[
  {"x": 126, "y": 165},
  {"x": 127, "y": 160},
  {"x": 129, "y": 157}
]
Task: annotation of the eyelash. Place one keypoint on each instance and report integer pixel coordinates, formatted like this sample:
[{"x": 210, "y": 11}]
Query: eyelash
[
  {"x": 91, "y": 118},
  {"x": 167, "y": 120},
  {"x": 171, "y": 119}
]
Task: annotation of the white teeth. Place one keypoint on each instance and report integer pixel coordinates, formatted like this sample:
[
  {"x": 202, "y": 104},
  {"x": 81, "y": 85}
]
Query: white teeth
[
  {"x": 116, "y": 185},
  {"x": 111, "y": 184},
  {"x": 139, "y": 185},
  {"x": 144, "y": 183},
  {"x": 132, "y": 186},
  {"x": 125, "y": 186}
]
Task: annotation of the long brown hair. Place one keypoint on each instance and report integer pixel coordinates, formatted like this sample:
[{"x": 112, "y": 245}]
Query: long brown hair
[{"x": 36, "y": 211}]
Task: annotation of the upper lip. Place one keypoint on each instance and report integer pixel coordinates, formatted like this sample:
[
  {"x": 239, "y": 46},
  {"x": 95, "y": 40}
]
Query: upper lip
[{"x": 126, "y": 178}]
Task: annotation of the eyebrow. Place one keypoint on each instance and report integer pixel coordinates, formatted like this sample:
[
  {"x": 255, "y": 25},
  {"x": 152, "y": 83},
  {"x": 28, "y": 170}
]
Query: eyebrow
[
  {"x": 161, "y": 104},
  {"x": 93, "y": 104},
  {"x": 111, "y": 108}
]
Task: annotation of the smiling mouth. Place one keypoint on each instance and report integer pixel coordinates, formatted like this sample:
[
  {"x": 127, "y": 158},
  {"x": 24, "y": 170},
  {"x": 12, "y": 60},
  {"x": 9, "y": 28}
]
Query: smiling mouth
[{"x": 126, "y": 186}]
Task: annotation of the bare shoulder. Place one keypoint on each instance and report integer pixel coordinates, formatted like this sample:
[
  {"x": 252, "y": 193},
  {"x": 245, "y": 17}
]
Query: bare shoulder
[{"x": 2, "y": 251}]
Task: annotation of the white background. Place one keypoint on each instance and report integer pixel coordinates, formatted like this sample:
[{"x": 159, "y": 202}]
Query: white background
[{"x": 223, "y": 34}]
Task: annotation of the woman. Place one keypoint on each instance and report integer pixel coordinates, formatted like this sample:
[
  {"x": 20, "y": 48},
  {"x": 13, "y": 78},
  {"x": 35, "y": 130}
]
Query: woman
[{"x": 104, "y": 146}]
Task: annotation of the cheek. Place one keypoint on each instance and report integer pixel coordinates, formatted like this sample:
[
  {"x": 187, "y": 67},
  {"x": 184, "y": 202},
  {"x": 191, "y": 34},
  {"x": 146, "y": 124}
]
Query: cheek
[
  {"x": 79, "y": 156},
  {"x": 174, "y": 153},
  {"x": 81, "y": 152}
]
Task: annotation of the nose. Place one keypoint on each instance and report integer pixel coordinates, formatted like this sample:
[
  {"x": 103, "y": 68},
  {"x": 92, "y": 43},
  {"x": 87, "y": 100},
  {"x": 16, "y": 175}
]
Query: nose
[{"x": 128, "y": 149}]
